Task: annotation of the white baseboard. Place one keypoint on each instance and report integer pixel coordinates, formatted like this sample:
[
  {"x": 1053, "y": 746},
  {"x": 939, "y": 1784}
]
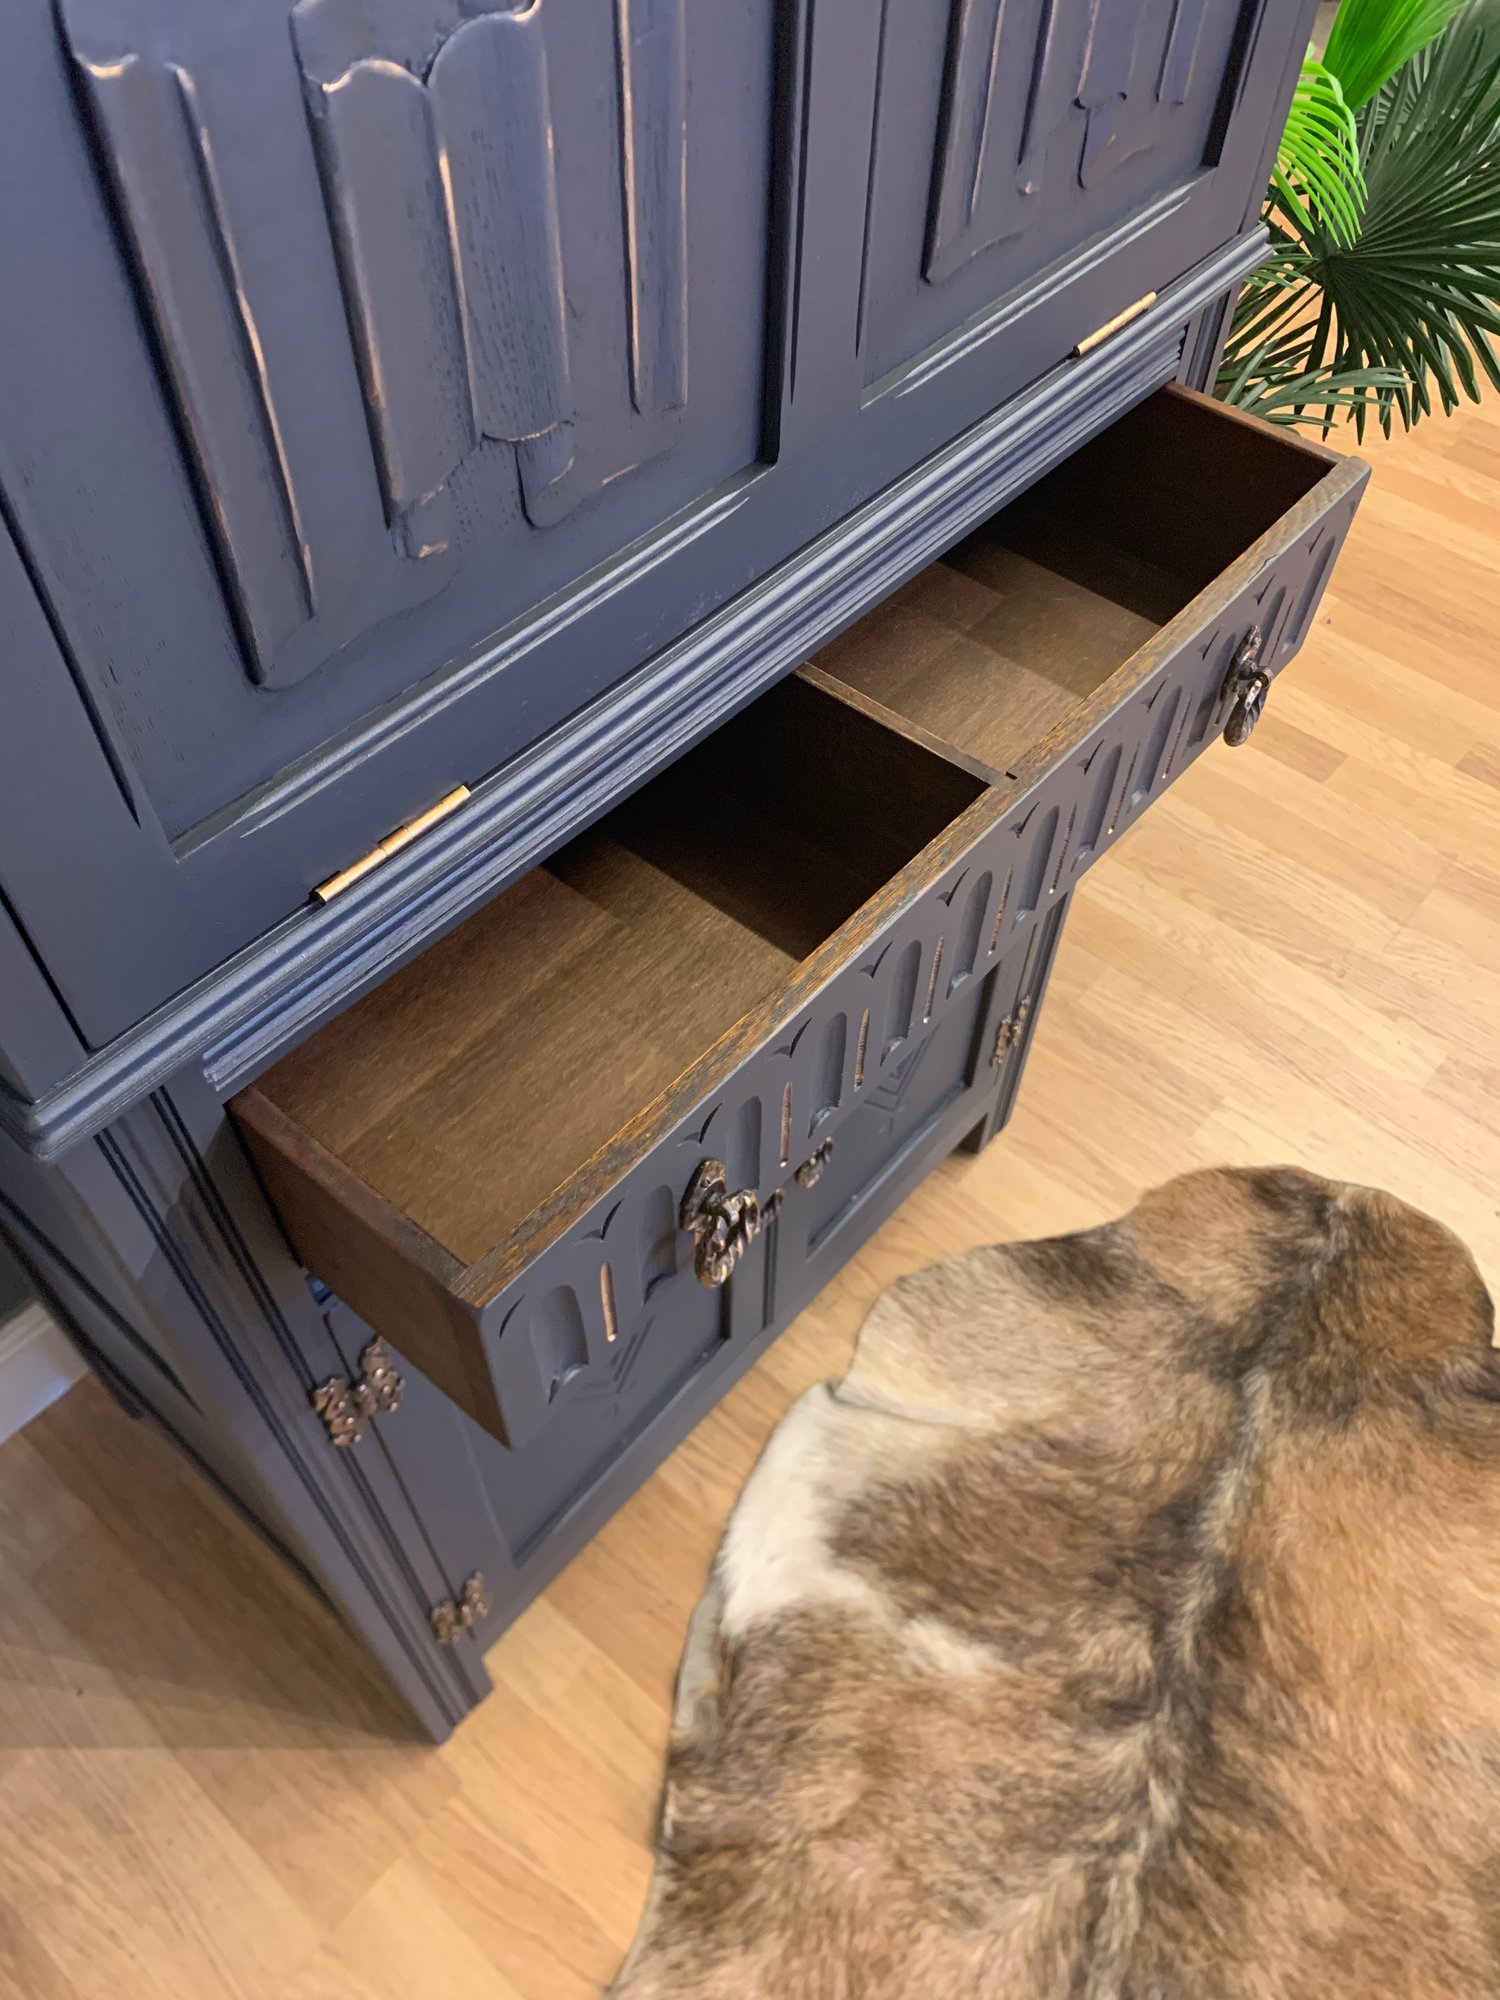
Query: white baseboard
[{"x": 36, "y": 1365}]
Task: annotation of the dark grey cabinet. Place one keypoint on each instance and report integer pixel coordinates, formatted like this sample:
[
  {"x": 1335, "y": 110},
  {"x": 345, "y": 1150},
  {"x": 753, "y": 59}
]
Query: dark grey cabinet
[
  {"x": 582, "y": 585},
  {"x": 13, "y": 1289},
  {"x": 382, "y": 384}
]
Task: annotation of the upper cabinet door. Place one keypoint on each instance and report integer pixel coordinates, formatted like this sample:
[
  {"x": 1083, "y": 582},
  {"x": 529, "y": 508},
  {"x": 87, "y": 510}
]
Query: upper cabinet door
[
  {"x": 340, "y": 341},
  {"x": 353, "y": 330},
  {"x": 1036, "y": 166},
  {"x": 382, "y": 380}
]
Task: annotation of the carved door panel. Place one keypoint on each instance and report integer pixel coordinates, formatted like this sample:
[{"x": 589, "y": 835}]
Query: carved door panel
[
  {"x": 1030, "y": 139},
  {"x": 401, "y": 298}
]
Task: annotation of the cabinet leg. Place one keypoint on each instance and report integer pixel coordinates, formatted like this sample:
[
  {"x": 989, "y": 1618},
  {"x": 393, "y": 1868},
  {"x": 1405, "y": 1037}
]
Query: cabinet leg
[{"x": 989, "y": 1127}]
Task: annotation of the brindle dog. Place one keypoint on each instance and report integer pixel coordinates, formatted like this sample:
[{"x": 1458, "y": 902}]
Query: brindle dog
[{"x": 1124, "y": 1626}]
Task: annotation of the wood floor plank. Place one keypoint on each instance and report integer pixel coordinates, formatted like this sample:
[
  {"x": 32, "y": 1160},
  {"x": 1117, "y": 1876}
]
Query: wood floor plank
[
  {"x": 1366, "y": 857},
  {"x": 1296, "y": 956},
  {"x": 534, "y": 1925},
  {"x": 403, "y": 1942}
]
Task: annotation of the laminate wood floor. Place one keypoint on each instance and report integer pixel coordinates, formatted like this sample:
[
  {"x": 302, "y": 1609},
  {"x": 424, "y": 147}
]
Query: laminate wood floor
[{"x": 1295, "y": 957}]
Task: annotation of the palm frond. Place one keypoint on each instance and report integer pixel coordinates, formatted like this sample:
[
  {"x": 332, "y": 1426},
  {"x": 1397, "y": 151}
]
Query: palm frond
[
  {"x": 1315, "y": 396},
  {"x": 1371, "y": 39},
  {"x": 1317, "y": 163},
  {"x": 1401, "y": 317}
]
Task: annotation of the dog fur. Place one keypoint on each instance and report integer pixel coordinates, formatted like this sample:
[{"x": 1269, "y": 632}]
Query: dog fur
[{"x": 1125, "y": 1626}]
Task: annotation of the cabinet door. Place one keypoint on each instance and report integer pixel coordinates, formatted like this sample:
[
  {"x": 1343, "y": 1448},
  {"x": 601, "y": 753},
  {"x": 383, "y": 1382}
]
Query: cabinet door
[
  {"x": 342, "y": 343},
  {"x": 383, "y": 380},
  {"x": 1039, "y": 165},
  {"x": 960, "y": 1080}
]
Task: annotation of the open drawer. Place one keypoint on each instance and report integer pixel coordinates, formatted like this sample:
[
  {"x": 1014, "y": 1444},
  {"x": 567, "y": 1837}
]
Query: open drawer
[{"x": 536, "y": 1159}]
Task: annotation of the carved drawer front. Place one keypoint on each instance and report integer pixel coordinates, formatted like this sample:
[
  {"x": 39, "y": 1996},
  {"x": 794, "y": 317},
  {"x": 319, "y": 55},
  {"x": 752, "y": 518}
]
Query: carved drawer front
[
  {"x": 540, "y": 1159},
  {"x": 964, "y": 1074}
]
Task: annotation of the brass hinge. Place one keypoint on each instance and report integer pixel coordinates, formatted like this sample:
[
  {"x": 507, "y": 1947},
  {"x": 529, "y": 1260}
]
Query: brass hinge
[
  {"x": 1121, "y": 319},
  {"x": 450, "y": 1618},
  {"x": 393, "y": 843},
  {"x": 347, "y": 1407},
  {"x": 1009, "y": 1033}
]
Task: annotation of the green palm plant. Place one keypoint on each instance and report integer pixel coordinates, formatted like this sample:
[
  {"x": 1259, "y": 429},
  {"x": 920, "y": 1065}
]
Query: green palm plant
[{"x": 1383, "y": 285}]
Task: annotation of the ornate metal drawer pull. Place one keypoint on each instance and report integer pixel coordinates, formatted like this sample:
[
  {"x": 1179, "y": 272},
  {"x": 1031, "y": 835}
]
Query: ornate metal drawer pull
[
  {"x": 347, "y": 1407},
  {"x": 451, "y": 1618},
  {"x": 1246, "y": 686},
  {"x": 724, "y": 1225},
  {"x": 811, "y": 1170}
]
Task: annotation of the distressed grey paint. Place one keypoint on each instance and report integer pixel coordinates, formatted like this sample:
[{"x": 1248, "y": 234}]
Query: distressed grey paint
[{"x": 14, "y": 1290}]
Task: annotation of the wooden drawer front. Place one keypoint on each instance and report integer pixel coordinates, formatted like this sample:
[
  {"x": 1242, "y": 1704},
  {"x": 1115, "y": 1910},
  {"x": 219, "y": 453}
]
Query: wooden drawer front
[
  {"x": 579, "y": 1380},
  {"x": 611, "y": 1321},
  {"x": 488, "y": 1156}
]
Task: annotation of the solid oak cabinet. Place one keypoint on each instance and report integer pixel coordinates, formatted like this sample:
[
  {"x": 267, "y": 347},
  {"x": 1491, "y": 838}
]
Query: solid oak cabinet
[{"x": 584, "y": 582}]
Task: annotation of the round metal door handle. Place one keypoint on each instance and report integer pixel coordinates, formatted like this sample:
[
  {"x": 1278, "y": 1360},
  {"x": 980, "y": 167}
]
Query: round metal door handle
[{"x": 723, "y": 1224}]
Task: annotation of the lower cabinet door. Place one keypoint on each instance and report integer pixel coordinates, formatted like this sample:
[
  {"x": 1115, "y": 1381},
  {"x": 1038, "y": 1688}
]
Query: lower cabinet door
[
  {"x": 960, "y": 1082},
  {"x": 497, "y": 1523},
  {"x": 492, "y": 1524},
  {"x": 683, "y": 1337}
]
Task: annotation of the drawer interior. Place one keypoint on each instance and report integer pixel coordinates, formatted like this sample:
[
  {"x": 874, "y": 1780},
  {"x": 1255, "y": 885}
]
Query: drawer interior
[
  {"x": 997, "y": 644},
  {"x": 470, "y": 1086}
]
